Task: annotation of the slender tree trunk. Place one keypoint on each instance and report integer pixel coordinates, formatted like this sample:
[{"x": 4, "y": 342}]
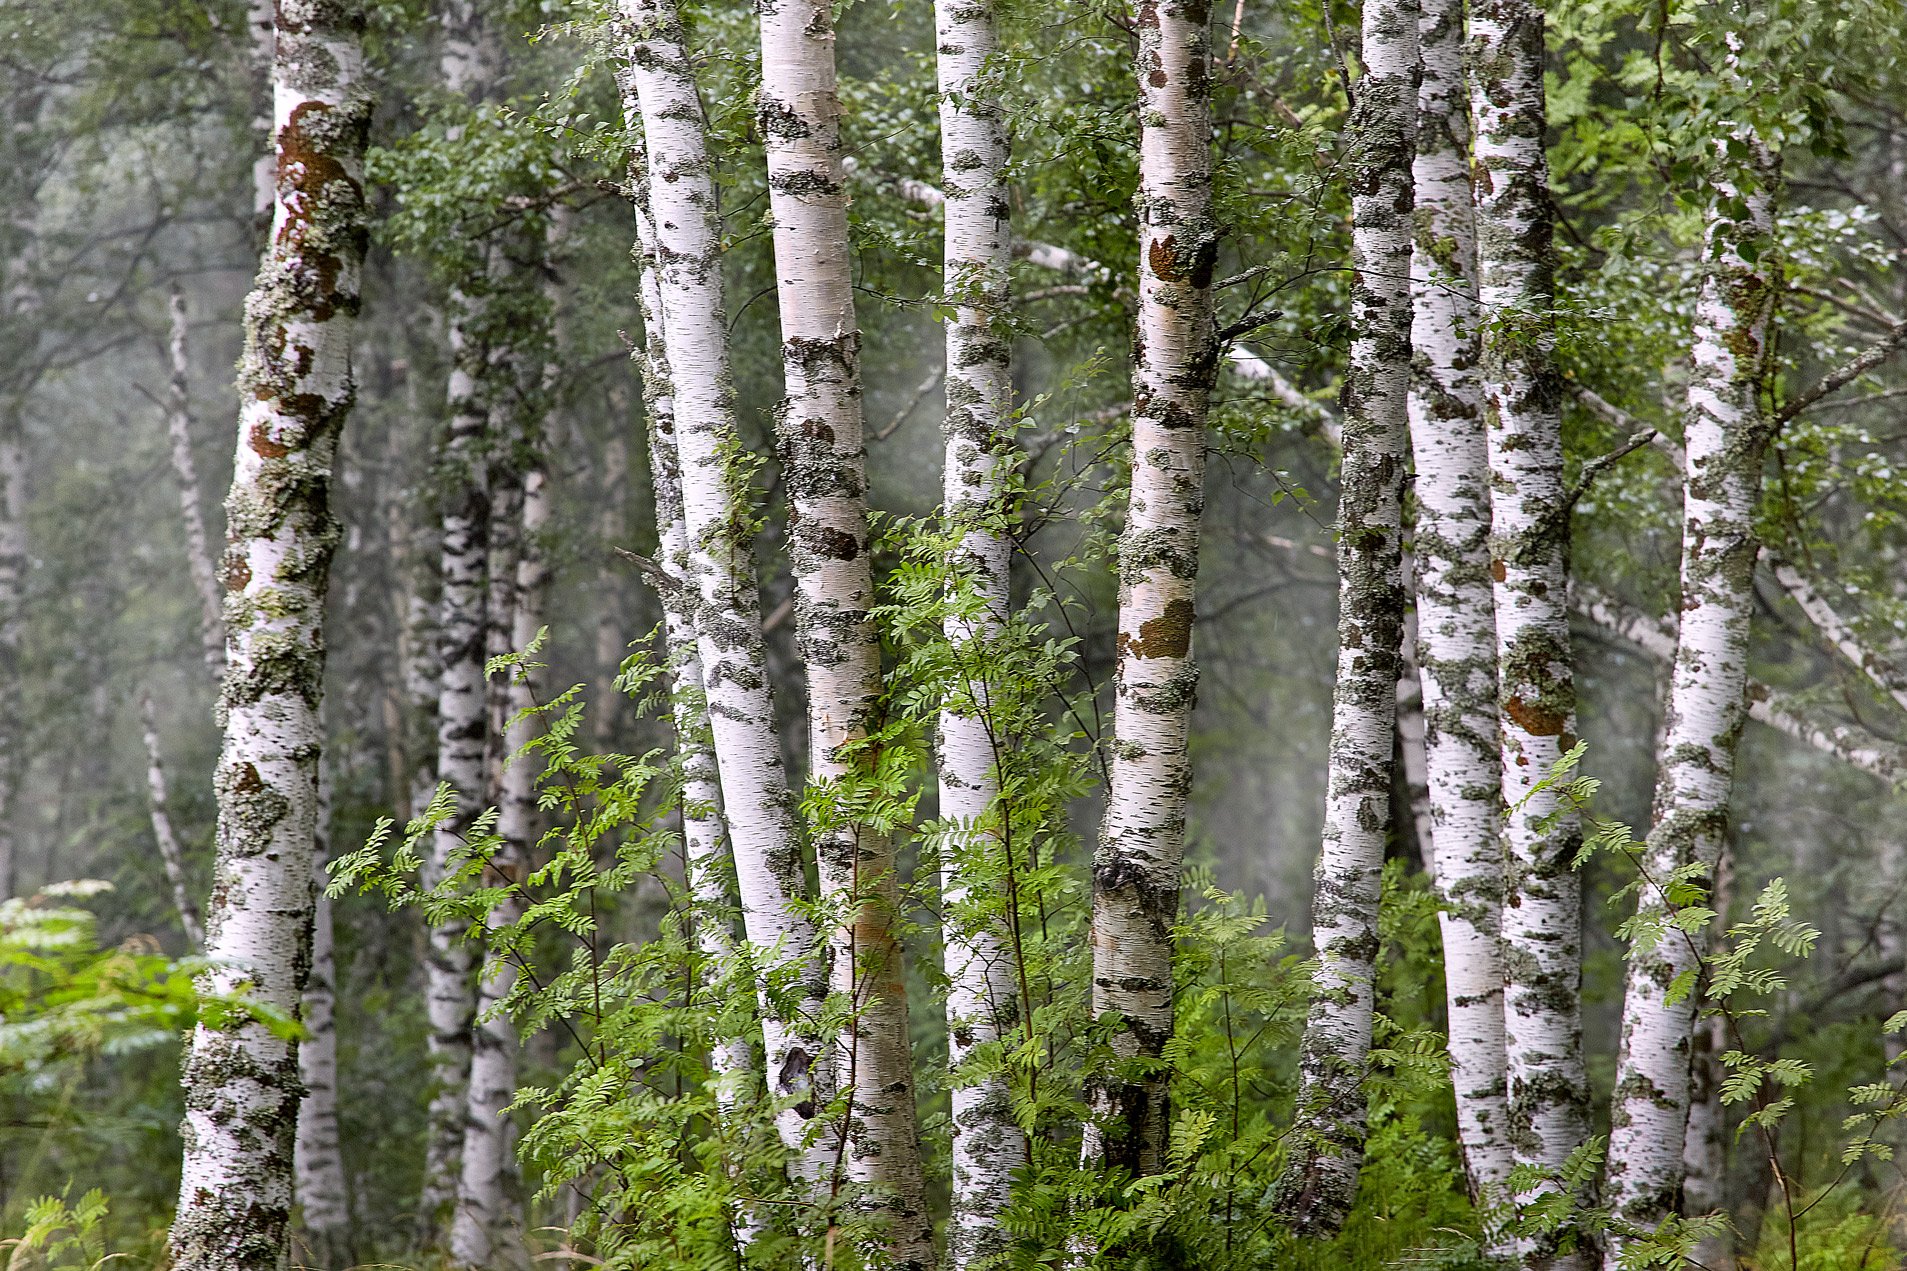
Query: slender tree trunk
[
  {"x": 13, "y": 567},
  {"x": 1456, "y": 622},
  {"x": 241, "y": 1078},
  {"x": 1542, "y": 921},
  {"x": 1329, "y": 1148},
  {"x": 159, "y": 806},
  {"x": 462, "y": 701},
  {"x": 1725, "y": 434},
  {"x": 1705, "y": 1148},
  {"x": 694, "y": 442},
  {"x": 704, "y": 834},
  {"x": 198, "y": 555},
  {"x": 488, "y": 1230},
  {"x": 323, "y": 1201},
  {"x": 612, "y": 622},
  {"x": 1142, "y": 838},
  {"x": 983, "y": 998},
  {"x": 819, "y": 430}
]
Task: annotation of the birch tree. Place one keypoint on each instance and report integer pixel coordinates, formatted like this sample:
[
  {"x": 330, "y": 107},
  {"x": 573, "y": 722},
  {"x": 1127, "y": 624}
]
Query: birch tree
[
  {"x": 198, "y": 555},
  {"x": 241, "y": 1076},
  {"x": 159, "y": 810},
  {"x": 1456, "y": 624},
  {"x": 324, "y": 1214},
  {"x": 1529, "y": 546},
  {"x": 1142, "y": 836},
  {"x": 1725, "y": 434},
  {"x": 462, "y": 719},
  {"x": 983, "y": 998},
  {"x": 1357, "y": 815},
  {"x": 692, "y": 414},
  {"x": 819, "y": 434}
]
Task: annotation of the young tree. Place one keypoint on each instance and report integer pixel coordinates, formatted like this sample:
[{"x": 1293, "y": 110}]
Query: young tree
[
  {"x": 692, "y": 420},
  {"x": 185, "y": 470},
  {"x": 819, "y": 434},
  {"x": 1142, "y": 837},
  {"x": 324, "y": 1211},
  {"x": 1725, "y": 435},
  {"x": 241, "y": 1072},
  {"x": 983, "y": 997},
  {"x": 1529, "y": 531},
  {"x": 1456, "y": 623},
  {"x": 1361, "y": 769},
  {"x": 159, "y": 810}
]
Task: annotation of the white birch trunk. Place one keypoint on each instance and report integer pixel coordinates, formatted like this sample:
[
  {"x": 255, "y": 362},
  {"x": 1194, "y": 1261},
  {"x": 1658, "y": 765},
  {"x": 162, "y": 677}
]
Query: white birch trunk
[
  {"x": 983, "y": 997},
  {"x": 1725, "y": 433},
  {"x": 462, "y": 700},
  {"x": 1142, "y": 837},
  {"x": 487, "y": 1230},
  {"x": 1542, "y": 923},
  {"x": 159, "y": 807},
  {"x": 819, "y": 434},
  {"x": 324, "y": 1215},
  {"x": 13, "y": 567},
  {"x": 242, "y": 1083},
  {"x": 1456, "y": 622},
  {"x": 692, "y": 411},
  {"x": 198, "y": 555},
  {"x": 1328, "y": 1150}
]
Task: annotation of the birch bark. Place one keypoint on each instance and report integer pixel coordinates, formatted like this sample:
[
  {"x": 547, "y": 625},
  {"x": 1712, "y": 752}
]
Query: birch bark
[
  {"x": 462, "y": 720},
  {"x": 693, "y": 439},
  {"x": 819, "y": 434},
  {"x": 198, "y": 555},
  {"x": 1529, "y": 544},
  {"x": 983, "y": 1000},
  {"x": 242, "y": 1082},
  {"x": 159, "y": 806},
  {"x": 487, "y": 1230},
  {"x": 318, "y": 1160},
  {"x": 1142, "y": 837},
  {"x": 1725, "y": 435},
  {"x": 1456, "y": 621},
  {"x": 1331, "y": 1117},
  {"x": 13, "y": 566}
]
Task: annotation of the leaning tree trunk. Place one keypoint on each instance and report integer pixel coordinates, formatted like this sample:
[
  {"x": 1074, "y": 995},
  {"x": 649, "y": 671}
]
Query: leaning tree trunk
[
  {"x": 159, "y": 809},
  {"x": 1142, "y": 838},
  {"x": 693, "y": 439},
  {"x": 185, "y": 470},
  {"x": 1456, "y": 622},
  {"x": 1542, "y": 922},
  {"x": 487, "y": 1230},
  {"x": 983, "y": 998},
  {"x": 324, "y": 1215},
  {"x": 1725, "y": 433},
  {"x": 241, "y": 1077},
  {"x": 1328, "y": 1147},
  {"x": 819, "y": 430}
]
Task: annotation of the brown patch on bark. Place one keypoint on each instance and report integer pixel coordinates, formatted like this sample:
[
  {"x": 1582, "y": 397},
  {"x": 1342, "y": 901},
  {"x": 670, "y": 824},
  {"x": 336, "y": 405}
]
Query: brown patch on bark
[
  {"x": 1167, "y": 636},
  {"x": 838, "y": 544},
  {"x": 1498, "y": 570},
  {"x": 1535, "y": 719},
  {"x": 238, "y": 574},
  {"x": 262, "y": 443},
  {"x": 1162, "y": 256}
]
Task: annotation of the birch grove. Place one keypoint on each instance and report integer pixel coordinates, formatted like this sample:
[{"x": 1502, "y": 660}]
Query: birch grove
[
  {"x": 721, "y": 777},
  {"x": 242, "y": 1077}
]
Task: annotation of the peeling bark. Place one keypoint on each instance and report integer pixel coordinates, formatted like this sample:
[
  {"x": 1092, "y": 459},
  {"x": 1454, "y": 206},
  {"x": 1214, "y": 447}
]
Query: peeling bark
[
  {"x": 1529, "y": 544},
  {"x": 242, "y": 1082},
  {"x": 1142, "y": 835},
  {"x": 1725, "y": 433},
  {"x": 819, "y": 436},
  {"x": 1328, "y": 1151}
]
